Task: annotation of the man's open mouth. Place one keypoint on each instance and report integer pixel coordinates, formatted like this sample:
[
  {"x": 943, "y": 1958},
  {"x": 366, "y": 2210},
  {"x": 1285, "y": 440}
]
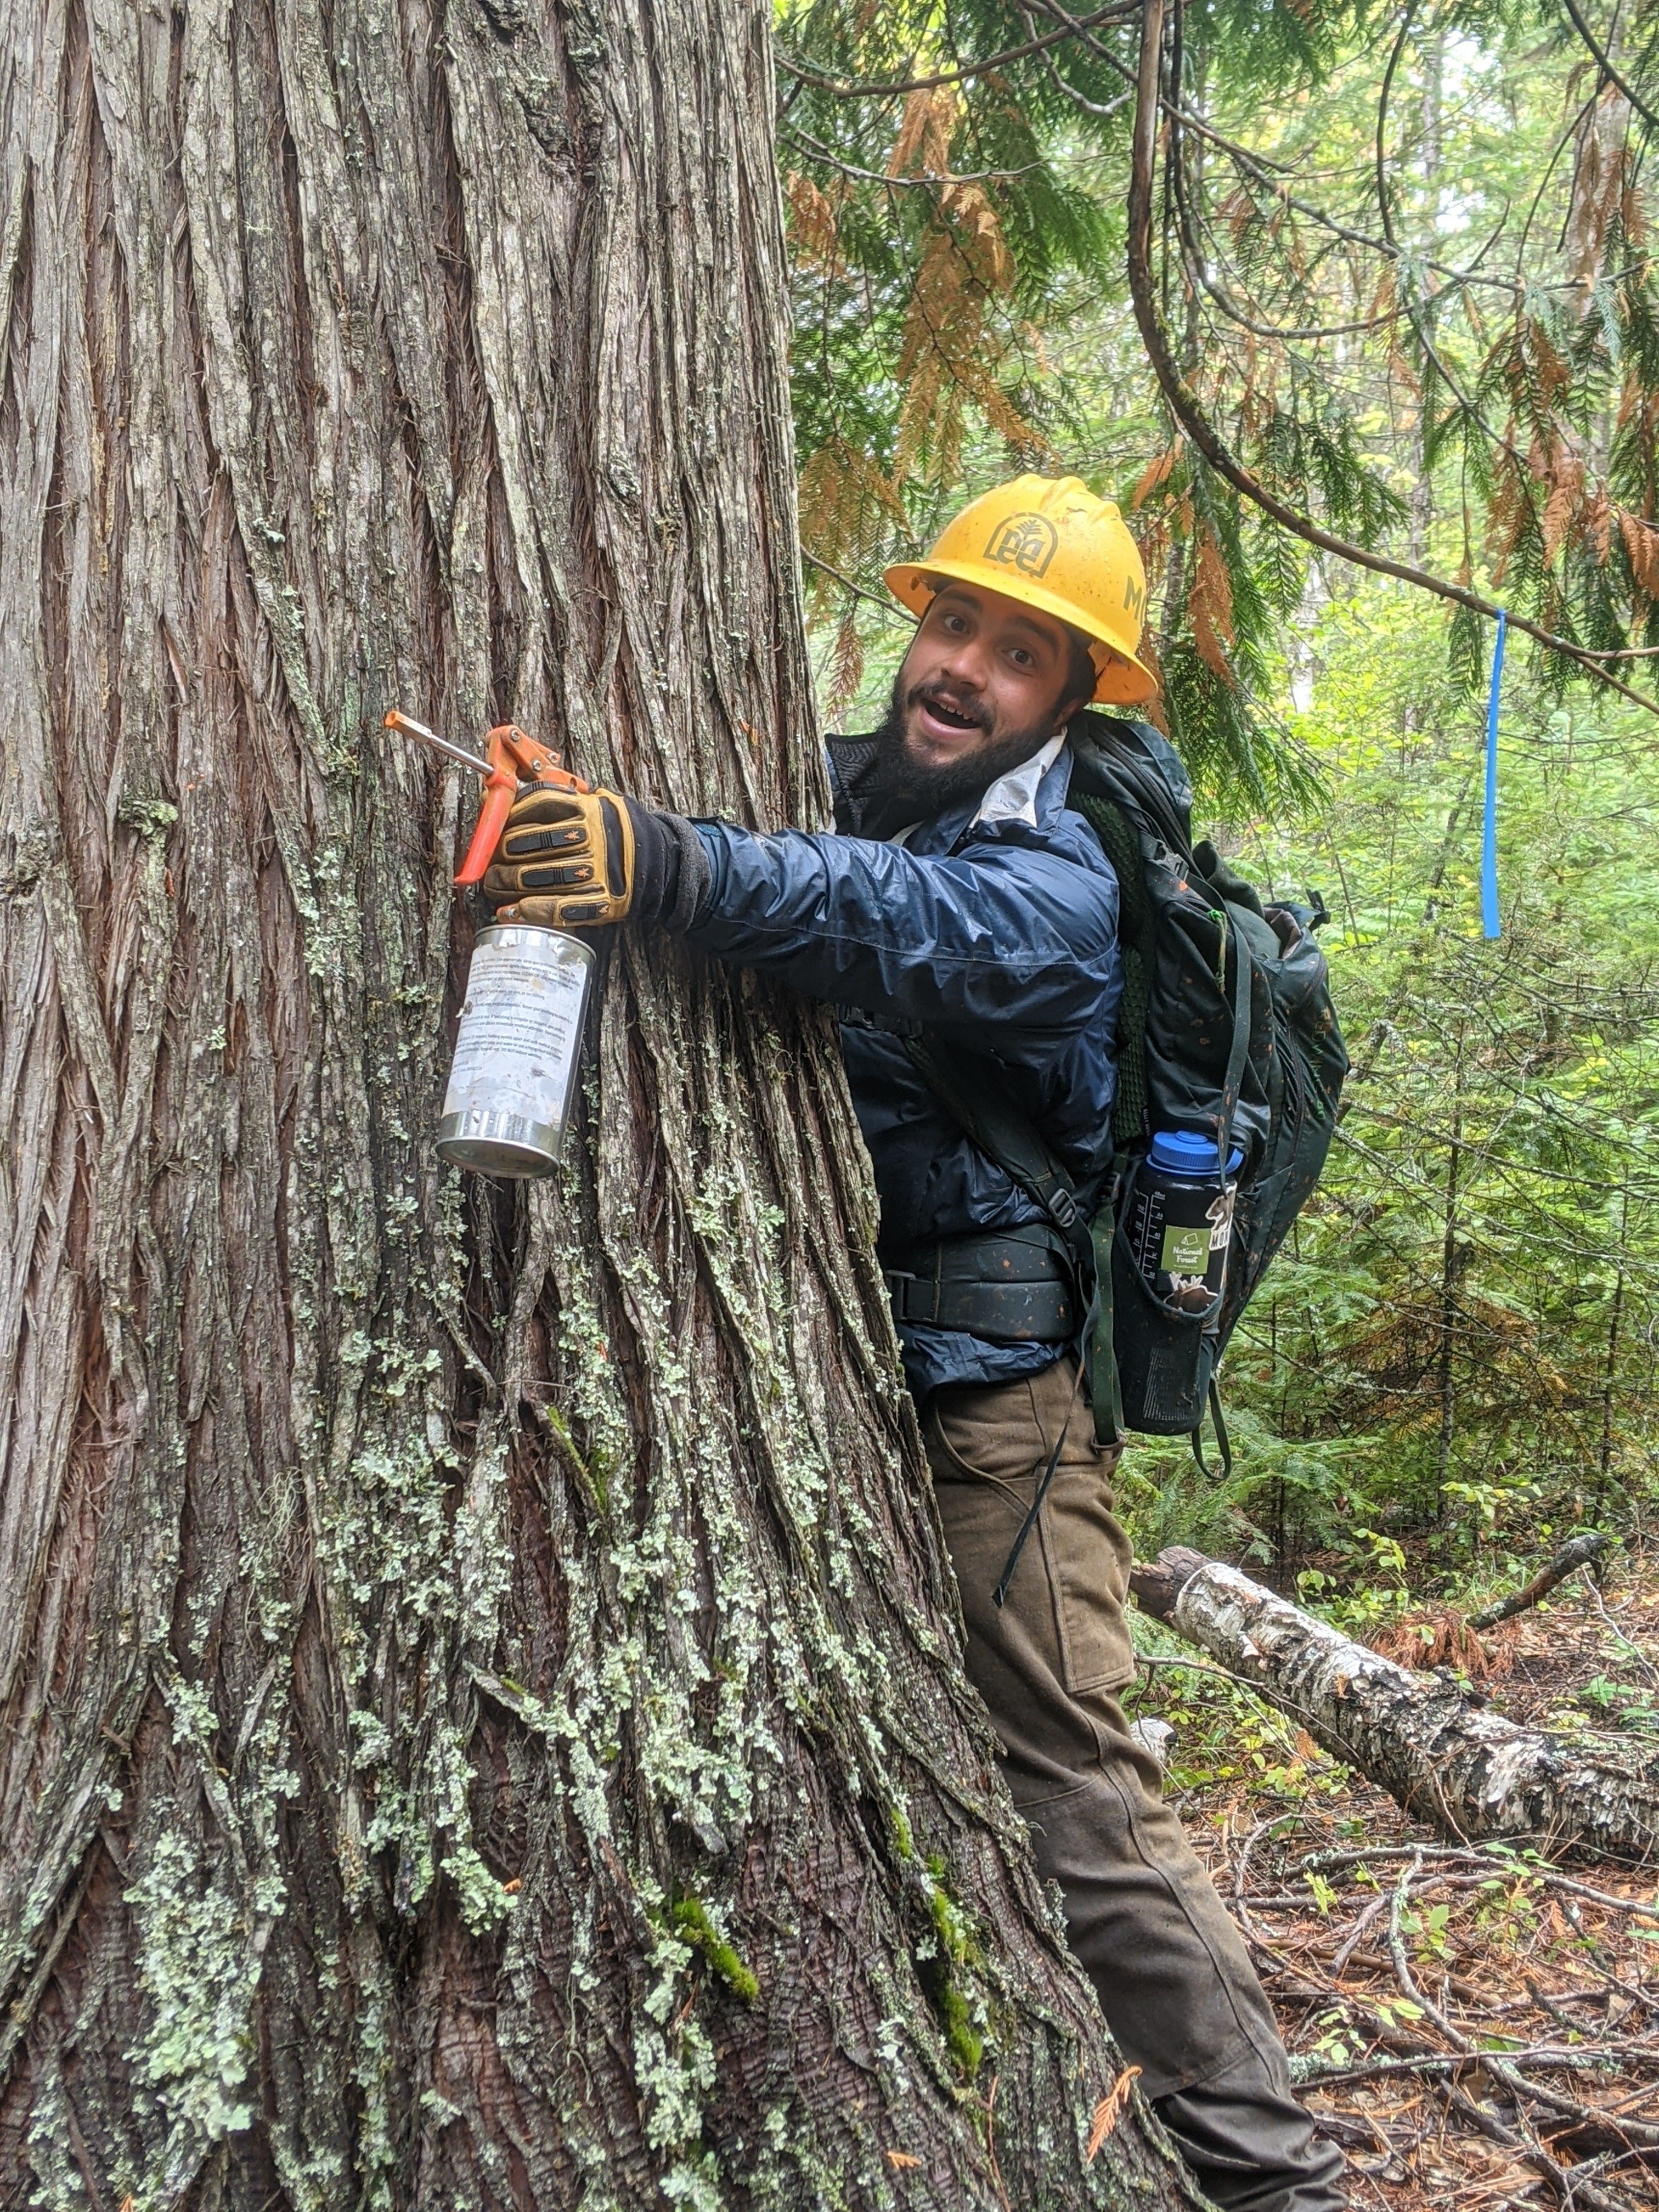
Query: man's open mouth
[{"x": 949, "y": 717}]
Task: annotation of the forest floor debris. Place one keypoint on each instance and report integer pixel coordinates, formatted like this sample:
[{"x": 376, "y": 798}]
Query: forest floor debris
[{"x": 1482, "y": 2019}]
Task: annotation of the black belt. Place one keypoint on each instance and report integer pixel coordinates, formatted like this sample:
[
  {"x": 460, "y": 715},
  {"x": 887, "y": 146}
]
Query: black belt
[{"x": 1009, "y": 1287}]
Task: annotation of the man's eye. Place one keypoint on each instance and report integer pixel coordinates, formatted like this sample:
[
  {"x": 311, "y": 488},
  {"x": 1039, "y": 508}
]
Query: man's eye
[{"x": 1019, "y": 656}]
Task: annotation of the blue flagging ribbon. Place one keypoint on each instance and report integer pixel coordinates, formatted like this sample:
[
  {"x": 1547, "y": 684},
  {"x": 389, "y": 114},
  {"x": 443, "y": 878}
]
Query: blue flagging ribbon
[{"x": 1490, "y": 924}]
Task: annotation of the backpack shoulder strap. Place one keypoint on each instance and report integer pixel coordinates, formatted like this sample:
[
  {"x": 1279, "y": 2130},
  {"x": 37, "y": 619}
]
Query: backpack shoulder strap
[
  {"x": 972, "y": 1093},
  {"x": 1134, "y": 764}
]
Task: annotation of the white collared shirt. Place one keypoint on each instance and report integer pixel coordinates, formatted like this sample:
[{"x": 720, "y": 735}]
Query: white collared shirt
[{"x": 1012, "y": 797}]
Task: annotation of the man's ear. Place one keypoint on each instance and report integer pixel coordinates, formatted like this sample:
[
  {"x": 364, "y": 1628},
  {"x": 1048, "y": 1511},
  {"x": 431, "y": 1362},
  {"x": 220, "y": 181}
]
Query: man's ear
[{"x": 1081, "y": 677}]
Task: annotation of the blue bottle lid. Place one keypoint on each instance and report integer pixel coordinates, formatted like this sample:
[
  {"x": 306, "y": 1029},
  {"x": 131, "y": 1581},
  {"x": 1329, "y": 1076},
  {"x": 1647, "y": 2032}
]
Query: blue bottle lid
[{"x": 1182, "y": 1152}]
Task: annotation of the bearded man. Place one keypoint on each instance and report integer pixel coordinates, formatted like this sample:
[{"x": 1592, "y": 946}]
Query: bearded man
[{"x": 958, "y": 898}]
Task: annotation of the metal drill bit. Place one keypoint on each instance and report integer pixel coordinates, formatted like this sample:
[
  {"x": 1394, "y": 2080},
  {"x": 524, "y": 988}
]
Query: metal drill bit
[{"x": 476, "y": 761}]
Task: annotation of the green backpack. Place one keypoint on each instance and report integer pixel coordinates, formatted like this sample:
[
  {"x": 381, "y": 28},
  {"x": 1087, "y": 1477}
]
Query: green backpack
[{"x": 1226, "y": 1027}]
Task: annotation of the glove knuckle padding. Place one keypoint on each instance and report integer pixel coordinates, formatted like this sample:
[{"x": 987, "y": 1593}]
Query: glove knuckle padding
[
  {"x": 591, "y": 880},
  {"x": 547, "y": 802},
  {"x": 552, "y": 879},
  {"x": 516, "y": 844}
]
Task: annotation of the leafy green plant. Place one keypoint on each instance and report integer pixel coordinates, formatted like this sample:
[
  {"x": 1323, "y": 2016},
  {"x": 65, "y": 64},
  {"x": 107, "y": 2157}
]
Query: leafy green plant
[
  {"x": 1621, "y": 1704},
  {"x": 1428, "y": 1931},
  {"x": 1324, "y": 1894}
]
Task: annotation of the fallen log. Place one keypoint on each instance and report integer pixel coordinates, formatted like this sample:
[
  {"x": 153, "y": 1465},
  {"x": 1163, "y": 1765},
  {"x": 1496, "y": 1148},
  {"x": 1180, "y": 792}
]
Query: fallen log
[{"x": 1441, "y": 1754}]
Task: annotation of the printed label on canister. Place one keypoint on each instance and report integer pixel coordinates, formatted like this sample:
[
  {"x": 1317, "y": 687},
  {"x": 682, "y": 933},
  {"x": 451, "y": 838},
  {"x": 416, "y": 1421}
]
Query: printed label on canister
[
  {"x": 1186, "y": 1251},
  {"x": 520, "y": 1029}
]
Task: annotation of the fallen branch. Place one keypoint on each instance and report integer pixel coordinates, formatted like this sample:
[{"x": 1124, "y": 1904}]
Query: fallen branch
[
  {"x": 1561, "y": 2076},
  {"x": 1567, "y": 1560},
  {"x": 1441, "y": 1754}
]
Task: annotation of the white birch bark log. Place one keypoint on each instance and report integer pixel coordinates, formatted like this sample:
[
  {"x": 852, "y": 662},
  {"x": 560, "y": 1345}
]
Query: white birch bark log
[{"x": 1442, "y": 1755}]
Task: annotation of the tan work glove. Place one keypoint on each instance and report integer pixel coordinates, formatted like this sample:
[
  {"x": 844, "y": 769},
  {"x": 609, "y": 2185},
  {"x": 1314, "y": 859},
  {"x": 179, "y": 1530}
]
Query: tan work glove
[{"x": 565, "y": 859}]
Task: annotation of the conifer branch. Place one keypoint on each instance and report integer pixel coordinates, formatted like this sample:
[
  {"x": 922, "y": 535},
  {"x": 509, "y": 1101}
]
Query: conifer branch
[
  {"x": 1102, "y": 110},
  {"x": 1197, "y": 264},
  {"x": 817, "y": 151},
  {"x": 1197, "y": 268},
  {"x": 889, "y": 607},
  {"x": 1117, "y": 11},
  {"x": 1266, "y": 172},
  {"x": 1385, "y": 208},
  {"x": 1604, "y": 63},
  {"x": 1184, "y": 404}
]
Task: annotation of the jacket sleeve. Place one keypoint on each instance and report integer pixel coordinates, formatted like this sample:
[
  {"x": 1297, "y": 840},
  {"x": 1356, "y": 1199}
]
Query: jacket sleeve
[{"x": 1001, "y": 932}]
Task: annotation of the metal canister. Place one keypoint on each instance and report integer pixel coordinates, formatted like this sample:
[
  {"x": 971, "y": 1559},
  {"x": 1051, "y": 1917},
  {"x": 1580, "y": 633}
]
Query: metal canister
[{"x": 518, "y": 1051}]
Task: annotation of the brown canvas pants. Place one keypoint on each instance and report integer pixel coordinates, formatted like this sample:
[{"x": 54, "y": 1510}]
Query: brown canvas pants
[{"x": 1175, "y": 1981}]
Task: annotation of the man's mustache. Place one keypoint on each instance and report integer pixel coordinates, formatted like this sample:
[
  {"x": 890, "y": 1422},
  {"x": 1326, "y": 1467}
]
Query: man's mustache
[{"x": 938, "y": 695}]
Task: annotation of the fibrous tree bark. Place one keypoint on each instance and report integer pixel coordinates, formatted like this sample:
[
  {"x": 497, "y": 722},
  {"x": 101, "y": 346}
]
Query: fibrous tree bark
[
  {"x": 1437, "y": 1751},
  {"x": 482, "y": 1713}
]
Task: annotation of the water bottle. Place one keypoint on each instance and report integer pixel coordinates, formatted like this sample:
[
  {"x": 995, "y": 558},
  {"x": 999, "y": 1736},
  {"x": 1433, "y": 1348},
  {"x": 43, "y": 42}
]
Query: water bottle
[
  {"x": 1179, "y": 1220},
  {"x": 1168, "y": 1264}
]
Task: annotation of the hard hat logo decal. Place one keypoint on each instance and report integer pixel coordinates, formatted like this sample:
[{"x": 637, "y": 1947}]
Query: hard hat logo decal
[{"x": 1024, "y": 542}]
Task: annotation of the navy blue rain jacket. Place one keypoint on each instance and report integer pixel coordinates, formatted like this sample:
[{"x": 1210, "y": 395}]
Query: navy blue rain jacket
[{"x": 999, "y": 936}]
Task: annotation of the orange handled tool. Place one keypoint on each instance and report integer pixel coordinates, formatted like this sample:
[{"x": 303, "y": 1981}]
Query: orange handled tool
[{"x": 512, "y": 762}]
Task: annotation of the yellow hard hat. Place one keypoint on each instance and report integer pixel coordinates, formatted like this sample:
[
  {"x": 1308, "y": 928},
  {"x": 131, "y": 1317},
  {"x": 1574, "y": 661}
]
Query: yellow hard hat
[{"x": 1050, "y": 544}]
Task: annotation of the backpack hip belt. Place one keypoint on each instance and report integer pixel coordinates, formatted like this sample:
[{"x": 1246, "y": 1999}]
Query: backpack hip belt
[{"x": 1007, "y": 1286}]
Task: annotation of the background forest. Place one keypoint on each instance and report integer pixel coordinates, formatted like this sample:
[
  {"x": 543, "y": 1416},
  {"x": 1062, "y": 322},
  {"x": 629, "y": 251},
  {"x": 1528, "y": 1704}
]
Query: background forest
[{"x": 1397, "y": 263}]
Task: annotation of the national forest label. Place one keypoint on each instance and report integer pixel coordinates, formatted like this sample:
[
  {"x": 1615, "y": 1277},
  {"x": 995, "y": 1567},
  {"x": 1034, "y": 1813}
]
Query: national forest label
[{"x": 1186, "y": 1248}]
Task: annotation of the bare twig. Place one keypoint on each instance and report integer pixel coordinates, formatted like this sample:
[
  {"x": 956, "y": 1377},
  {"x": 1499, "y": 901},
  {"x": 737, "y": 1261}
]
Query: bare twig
[
  {"x": 1116, "y": 12},
  {"x": 1605, "y": 64},
  {"x": 1501, "y": 2066},
  {"x": 1497, "y": 1863},
  {"x": 1619, "y": 1635},
  {"x": 1571, "y": 2188},
  {"x": 930, "y": 180},
  {"x": 1567, "y": 1561},
  {"x": 887, "y": 607},
  {"x": 1385, "y": 208},
  {"x": 1352, "y": 1940},
  {"x": 1568, "y": 2056}
]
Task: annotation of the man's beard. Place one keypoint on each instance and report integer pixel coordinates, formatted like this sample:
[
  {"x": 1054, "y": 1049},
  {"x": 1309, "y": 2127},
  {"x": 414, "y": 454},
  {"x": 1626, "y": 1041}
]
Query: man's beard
[{"x": 909, "y": 791}]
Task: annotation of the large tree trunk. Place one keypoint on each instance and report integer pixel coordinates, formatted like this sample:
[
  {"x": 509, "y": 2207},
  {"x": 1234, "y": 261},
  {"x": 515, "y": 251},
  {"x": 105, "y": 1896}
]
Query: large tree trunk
[{"x": 482, "y": 1722}]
